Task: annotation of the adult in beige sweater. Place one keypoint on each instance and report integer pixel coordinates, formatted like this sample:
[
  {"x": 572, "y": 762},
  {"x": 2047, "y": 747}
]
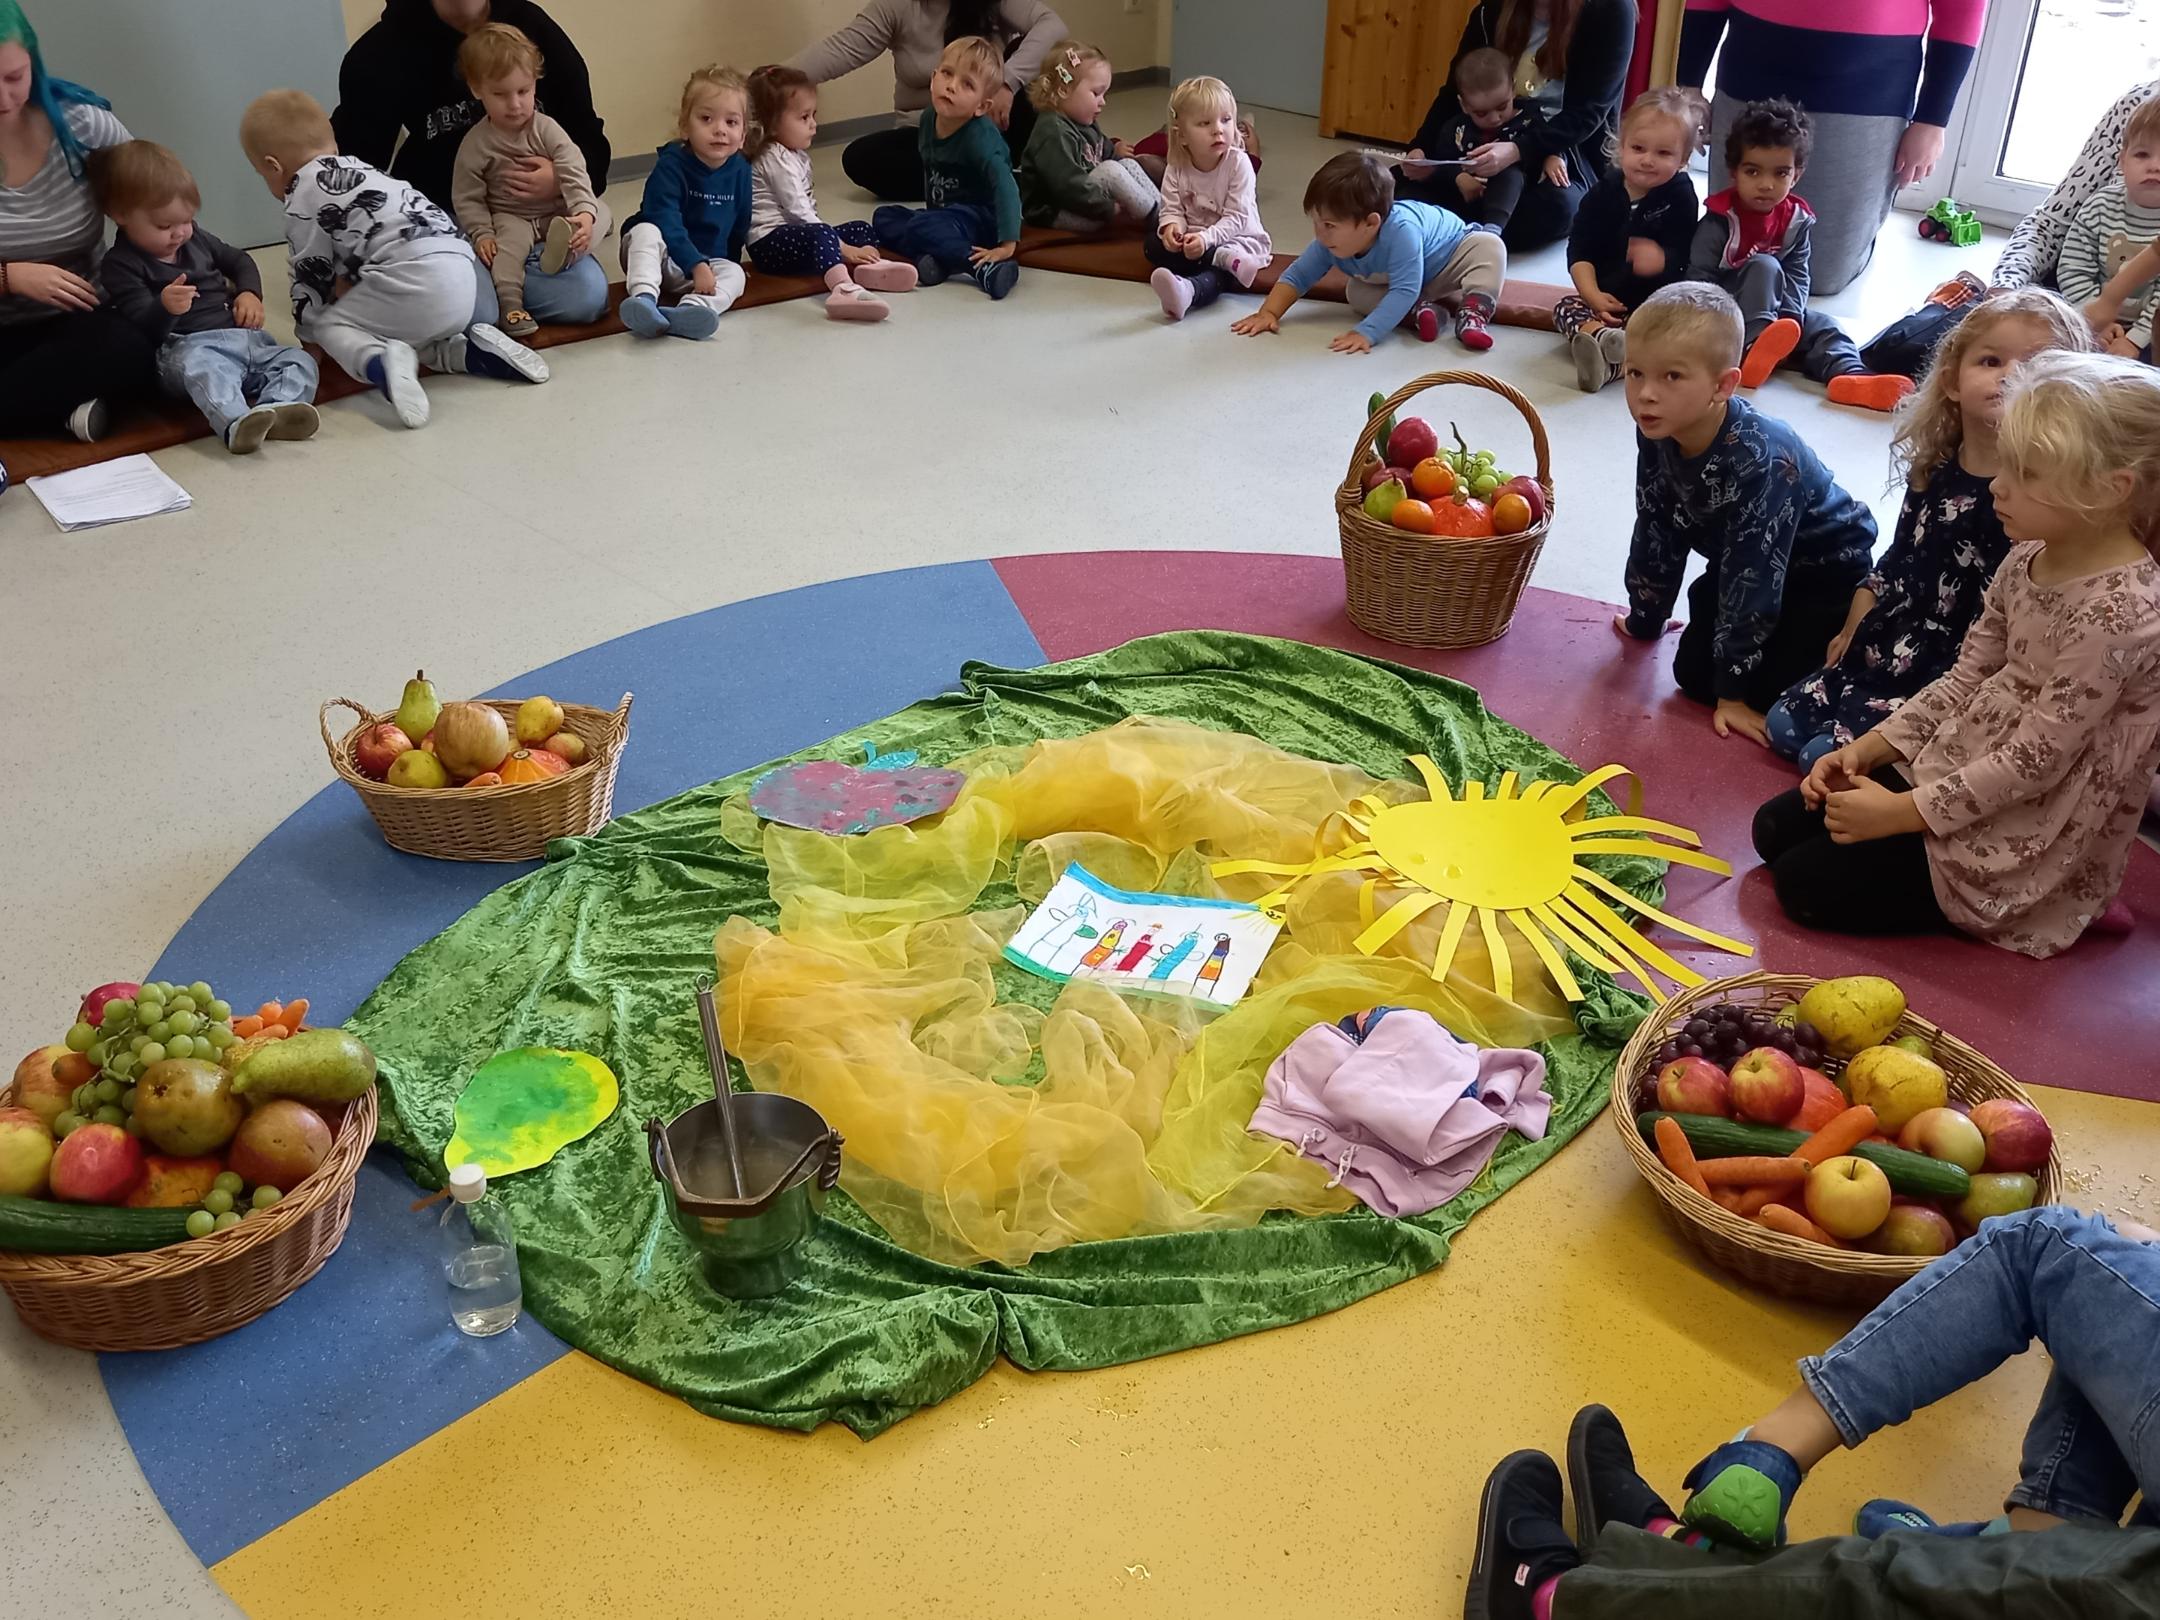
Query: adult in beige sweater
[{"x": 888, "y": 164}]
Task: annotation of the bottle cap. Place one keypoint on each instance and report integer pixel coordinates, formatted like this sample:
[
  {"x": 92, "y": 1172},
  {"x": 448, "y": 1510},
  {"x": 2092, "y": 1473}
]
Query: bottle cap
[{"x": 467, "y": 1183}]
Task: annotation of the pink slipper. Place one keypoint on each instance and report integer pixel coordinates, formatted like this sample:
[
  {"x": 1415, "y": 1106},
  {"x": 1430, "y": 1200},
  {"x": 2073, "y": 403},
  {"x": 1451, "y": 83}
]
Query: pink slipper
[
  {"x": 851, "y": 303},
  {"x": 887, "y": 275},
  {"x": 1175, "y": 292},
  {"x": 2114, "y": 922}
]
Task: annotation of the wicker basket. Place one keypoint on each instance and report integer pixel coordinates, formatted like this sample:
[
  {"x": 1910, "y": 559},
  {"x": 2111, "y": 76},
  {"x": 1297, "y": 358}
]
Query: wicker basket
[
  {"x": 1423, "y": 590},
  {"x": 1788, "y": 1265},
  {"x": 510, "y": 823},
  {"x": 194, "y": 1290}
]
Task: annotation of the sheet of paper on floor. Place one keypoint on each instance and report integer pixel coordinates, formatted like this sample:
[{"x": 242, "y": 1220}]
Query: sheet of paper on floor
[{"x": 109, "y": 492}]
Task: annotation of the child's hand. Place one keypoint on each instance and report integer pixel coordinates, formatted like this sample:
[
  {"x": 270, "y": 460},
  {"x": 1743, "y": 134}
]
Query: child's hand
[
  {"x": 2121, "y": 344},
  {"x": 178, "y": 297},
  {"x": 858, "y": 255},
  {"x": 993, "y": 255},
  {"x": 581, "y": 226},
  {"x": 1555, "y": 168},
  {"x": 486, "y": 250},
  {"x": 1644, "y": 256},
  {"x": 1833, "y": 773},
  {"x": 1620, "y": 629},
  {"x": 1606, "y": 307},
  {"x": 1868, "y": 810},
  {"x": 1118, "y": 149},
  {"x": 1471, "y": 187},
  {"x": 1194, "y": 245},
  {"x": 1352, "y": 342},
  {"x": 703, "y": 281},
  {"x": 1173, "y": 236},
  {"x": 1253, "y": 325},
  {"x": 247, "y": 312},
  {"x": 1731, "y": 716}
]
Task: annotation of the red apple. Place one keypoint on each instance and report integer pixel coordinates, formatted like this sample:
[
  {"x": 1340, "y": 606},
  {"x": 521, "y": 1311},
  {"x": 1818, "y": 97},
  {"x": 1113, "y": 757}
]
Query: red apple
[
  {"x": 1945, "y": 1134},
  {"x": 2018, "y": 1137},
  {"x": 92, "y": 1010},
  {"x": 377, "y": 748},
  {"x": 1847, "y": 1197},
  {"x": 1411, "y": 442},
  {"x": 26, "y": 1151},
  {"x": 96, "y": 1164},
  {"x": 1823, "y": 1102},
  {"x": 1694, "y": 1085},
  {"x": 1997, "y": 1193},
  {"x": 37, "y": 1088},
  {"x": 1377, "y": 475},
  {"x": 1766, "y": 1086},
  {"x": 1913, "y": 1229}
]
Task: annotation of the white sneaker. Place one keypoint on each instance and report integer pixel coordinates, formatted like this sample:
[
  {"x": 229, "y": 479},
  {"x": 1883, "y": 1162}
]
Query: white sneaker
[
  {"x": 295, "y": 420},
  {"x": 486, "y": 351},
  {"x": 245, "y": 436},
  {"x": 90, "y": 421},
  {"x": 401, "y": 383}
]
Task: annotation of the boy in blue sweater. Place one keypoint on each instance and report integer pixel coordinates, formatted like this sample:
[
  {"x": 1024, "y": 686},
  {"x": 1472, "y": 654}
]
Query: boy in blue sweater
[
  {"x": 972, "y": 226},
  {"x": 687, "y": 236},
  {"x": 1785, "y": 546},
  {"x": 1403, "y": 259}
]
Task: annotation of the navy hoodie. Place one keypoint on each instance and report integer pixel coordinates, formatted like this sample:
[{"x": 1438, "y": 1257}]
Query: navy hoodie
[
  {"x": 402, "y": 75},
  {"x": 700, "y": 213}
]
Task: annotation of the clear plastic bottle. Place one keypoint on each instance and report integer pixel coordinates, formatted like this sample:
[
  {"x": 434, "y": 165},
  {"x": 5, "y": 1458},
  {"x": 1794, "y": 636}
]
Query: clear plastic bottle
[{"x": 479, "y": 1256}]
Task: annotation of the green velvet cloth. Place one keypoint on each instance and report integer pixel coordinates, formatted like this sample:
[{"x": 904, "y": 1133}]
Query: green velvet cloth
[{"x": 598, "y": 951}]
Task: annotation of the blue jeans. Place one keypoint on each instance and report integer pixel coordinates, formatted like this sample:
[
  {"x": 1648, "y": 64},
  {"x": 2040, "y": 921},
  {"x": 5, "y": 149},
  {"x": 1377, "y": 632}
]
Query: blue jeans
[
  {"x": 227, "y": 374},
  {"x": 1785, "y": 737},
  {"x": 948, "y": 235},
  {"x": 2086, "y": 1292},
  {"x": 574, "y": 295}
]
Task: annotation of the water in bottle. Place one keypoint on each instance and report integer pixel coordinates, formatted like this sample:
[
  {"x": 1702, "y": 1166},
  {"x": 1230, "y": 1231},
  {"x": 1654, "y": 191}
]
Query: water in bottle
[{"x": 479, "y": 1256}]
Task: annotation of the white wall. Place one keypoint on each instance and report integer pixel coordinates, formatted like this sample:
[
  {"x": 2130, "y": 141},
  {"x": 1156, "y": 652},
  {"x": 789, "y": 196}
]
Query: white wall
[{"x": 1268, "y": 51}]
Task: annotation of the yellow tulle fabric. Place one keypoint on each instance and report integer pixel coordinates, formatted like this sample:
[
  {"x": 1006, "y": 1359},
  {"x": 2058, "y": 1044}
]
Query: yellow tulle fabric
[{"x": 980, "y": 1129}]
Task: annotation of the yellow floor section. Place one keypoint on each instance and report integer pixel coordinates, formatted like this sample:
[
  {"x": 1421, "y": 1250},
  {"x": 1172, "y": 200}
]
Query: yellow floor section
[{"x": 1331, "y": 1468}]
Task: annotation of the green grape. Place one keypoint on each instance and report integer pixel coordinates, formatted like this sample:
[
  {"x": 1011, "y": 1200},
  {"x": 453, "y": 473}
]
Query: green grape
[
  {"x": 217, "y": 1200},
  {"x": 84, "y": 1097},
  {"x": 160, "y": 1030},
  {"x": 127, "y": 1100},
  {"x": 133, "y": 1127},
  {"x": 107, "y": 1091},
  {"x": 153, "y": 1053},
  {"x": 220, "y": 1010},
  {"x": 180, "y": 1046},
  {"x": 122, "y": 1067},
  {"x": 201, "y": 1224},
  {"x": 109, "y": 1115},
  {"x": 137, "y": 1043},
  {"x": 66, "y": 1123},
  {"x": 228, "y": 1182},
  {"x": 160, "y": 988},
  {"x": 199, "y": 990},
  {"x": 99, "y": 1053},
  {"x": 225, "y": 1222},
  {"x": 81, "y": 1037},
  {"x": 150, "y": 1015},
  {"x": 265, "y": 1197},
  {"x": 221, "y": 1036},
  {"x": 182, "y": 1023},
  {"x": 1483, "y": 485},
  {"x": 122, "y": 1007},
  {"x": 181, "y": 1003}
]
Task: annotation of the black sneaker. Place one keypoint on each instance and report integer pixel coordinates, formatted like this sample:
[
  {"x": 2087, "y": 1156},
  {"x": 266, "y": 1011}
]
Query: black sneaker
[
  {"x": 1603, "y": 1480},
  {"x": 997, "y": 279},
  {"x": 928, "y": 272},
  {"x": 1521, "y": 1542}
]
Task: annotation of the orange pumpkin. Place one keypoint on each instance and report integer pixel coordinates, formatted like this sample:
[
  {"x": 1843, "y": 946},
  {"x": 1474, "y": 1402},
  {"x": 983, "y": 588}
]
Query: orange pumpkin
[
  {"x": 486, "y": 779},
  {"x": 532, "y": 765},
  {"x": 1463, "y": 519}
]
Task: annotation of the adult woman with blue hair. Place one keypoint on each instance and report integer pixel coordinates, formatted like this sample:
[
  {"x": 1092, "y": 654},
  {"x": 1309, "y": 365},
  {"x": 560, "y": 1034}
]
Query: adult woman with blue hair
[{"x": 64, "y": 357}]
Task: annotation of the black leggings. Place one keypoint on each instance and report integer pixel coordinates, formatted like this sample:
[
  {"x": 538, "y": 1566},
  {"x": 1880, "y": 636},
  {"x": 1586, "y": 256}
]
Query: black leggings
[
  {"x": 1209, "y": 282},
  {"x": 1541, "y": 213},
  {"x": 1807, "y": 619},
  {"x": 50, "y": 365},
  {"x": 1879, "y": 887},
  {"x": 888, "y": 163}
]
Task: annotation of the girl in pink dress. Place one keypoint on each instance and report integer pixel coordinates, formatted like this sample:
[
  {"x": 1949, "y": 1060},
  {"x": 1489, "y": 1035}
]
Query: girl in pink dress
[{"x": 2004, "y": 798}]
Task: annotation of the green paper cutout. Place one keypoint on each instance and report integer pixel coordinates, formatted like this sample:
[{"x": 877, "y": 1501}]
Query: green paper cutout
[{"x": 523, "y": 1107}]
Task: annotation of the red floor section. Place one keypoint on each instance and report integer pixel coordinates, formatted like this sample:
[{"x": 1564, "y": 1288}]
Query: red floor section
[{"x": 2089, "y": 1019}]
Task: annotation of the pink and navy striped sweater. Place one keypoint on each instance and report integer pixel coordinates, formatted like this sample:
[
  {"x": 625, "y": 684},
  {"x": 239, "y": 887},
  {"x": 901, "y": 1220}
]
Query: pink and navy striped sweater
[{"x": 1873, "y": 58}]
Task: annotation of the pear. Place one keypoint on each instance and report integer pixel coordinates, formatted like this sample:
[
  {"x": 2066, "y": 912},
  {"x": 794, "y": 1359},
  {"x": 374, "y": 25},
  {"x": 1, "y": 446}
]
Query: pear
[
  {"x": 417, "y": 709},
  {"x": 322, "y": 1066}
]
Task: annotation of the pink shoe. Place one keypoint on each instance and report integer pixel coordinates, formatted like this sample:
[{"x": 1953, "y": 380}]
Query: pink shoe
[
  {"x": 1174, "y": 291},
  {"x": 2114, "y": 922},
  {"x": 851, "y": 303},
  {"x": 887, "y": 275}
]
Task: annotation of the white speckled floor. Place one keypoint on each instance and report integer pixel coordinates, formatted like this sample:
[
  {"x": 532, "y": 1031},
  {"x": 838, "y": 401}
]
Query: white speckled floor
[{"x": 646, "y": 481}]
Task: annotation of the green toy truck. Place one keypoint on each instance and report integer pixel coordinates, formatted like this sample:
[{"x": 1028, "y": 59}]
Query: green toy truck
[{"x": 1949, "y": 222}]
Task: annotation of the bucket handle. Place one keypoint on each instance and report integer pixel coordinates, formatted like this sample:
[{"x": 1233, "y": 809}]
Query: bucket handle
[{"x": 825, "y": 1150}]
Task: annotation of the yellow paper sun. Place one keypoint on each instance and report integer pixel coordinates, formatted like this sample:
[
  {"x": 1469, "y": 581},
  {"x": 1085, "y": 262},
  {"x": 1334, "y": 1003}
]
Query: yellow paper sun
[{"x": 1514, "y": 858}]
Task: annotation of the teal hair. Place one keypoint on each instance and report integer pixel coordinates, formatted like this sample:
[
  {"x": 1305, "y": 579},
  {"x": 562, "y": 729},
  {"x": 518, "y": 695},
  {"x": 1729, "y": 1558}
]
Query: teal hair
[{"x": 55, "y": 96}]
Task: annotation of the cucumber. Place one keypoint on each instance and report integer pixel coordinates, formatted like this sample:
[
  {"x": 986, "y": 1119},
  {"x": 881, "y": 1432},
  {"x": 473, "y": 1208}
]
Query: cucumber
[
  {"x": 40, "y": 1226},
  {"x": 1914, "y": 1174}
]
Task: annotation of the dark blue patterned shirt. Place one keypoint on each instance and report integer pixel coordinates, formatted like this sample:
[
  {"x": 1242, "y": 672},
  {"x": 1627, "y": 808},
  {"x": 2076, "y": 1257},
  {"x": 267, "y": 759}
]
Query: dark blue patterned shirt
[{"x": 1764, "y": 507}]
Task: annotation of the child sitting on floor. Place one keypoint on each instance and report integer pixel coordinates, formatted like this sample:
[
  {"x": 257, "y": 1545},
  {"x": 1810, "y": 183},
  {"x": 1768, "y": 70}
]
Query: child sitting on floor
[
  {"x": 2031, "y": 761},
  {"x": 381, "y": 277},
  {"x": 1633, "y": 232},
  {"x": 2111, "y": 249},
  {"x": 1402, "y": 258},
  {"x": 1910, "y": 615},
  {"x": 1072, "y": 175},
  {"x": 787, "y": 238},
  {"x": 1785, "y": 545},
  {"x": 686, "y": 239},
  {"x": 1754, "y": 242},
  {"x": 502, "y": 69},
  {"x": 1485, "y": 93},
  {"x": 199, "y": 300},
  {"x": 972, "y": 226},
  {"x": 1209, "y": 236}
]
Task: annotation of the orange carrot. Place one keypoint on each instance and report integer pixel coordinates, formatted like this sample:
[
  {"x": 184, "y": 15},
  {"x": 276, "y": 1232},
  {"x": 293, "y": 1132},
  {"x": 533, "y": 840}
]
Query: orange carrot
[
  {"x": 1755, "y": 1199},
  {"x": 1747, "y": 1172},
  {"x": 1780, "y": 1219},
  {"x": 1672, "y": 1147},
  {"x": 294, "y": 1011},
  {"x": 250, "y": 1025},
  {"x": 1726, "y": 1199},
  {"x": 1841, "y": 1135},
  {"x": 268, "y": 1012}
]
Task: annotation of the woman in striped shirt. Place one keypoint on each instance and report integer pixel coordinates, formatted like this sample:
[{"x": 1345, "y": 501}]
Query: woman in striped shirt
[{"x": 63, "y": 355}]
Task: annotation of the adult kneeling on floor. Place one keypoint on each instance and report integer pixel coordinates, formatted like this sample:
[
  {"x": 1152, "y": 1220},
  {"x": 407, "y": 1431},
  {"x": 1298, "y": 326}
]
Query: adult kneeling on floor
[
  {"x": 888, "y": 163},
  {"x": 64, "y": 357},
  {"x": 401, "y": 76}
]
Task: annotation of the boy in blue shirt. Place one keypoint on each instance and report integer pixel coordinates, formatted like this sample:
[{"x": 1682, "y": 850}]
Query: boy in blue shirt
[
  {"x": 972, "y": 226},
  {"x": 688, "y": 234},
  {"x": 1402, "y": 258},
  {"x": 1785, "y": 546}
]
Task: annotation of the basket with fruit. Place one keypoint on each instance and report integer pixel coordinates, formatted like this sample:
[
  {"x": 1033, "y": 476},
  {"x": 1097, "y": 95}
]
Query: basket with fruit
[
  {"x": 170, "y": 1172},
  {"x": 489, "y": 780},
  {"x": 1819, "y": 1138},
  {"x": 1437, "y": 544}
]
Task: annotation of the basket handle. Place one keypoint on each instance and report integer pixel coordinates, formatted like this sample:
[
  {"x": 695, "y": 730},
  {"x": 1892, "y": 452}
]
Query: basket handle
[
  {"x": 619, "y": 721},
  {"x": 368, "y": 717},
  {"x": 1472, "y": 379}
]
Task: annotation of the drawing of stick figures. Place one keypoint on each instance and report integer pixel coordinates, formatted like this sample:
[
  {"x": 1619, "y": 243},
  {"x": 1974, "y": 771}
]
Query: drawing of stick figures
[
  {"x": 1139, "y": 953},
  {"x": 1211, "y": 970},
  {"x": 1174, "y": 956},
  {"x": 1063, "y": 926},
  {"x": 1104, "y": 946}
]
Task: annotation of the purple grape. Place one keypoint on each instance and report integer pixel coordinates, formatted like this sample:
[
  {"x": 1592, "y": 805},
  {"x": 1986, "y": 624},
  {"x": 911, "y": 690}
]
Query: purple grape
[
  {"x": 1691, "y": 1049},
  {"x": 1807, "y": 1057},
  {"x": 1808, "y": 1035}
]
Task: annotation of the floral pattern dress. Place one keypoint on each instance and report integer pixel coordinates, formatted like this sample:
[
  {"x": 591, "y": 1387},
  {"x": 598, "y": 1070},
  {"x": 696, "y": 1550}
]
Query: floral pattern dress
[
  {"x": 2032, "y": 759},
  {"x": 1928, "y": 588}
]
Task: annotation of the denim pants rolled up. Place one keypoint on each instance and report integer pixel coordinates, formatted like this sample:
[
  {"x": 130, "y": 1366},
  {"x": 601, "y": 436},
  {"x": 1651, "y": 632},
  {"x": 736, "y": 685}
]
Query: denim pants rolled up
[{"x": 229, "y": 373}]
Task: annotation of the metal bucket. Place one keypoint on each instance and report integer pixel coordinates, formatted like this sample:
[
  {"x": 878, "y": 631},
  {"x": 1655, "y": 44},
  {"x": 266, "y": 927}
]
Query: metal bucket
[{"x": 746, "y": 1246}]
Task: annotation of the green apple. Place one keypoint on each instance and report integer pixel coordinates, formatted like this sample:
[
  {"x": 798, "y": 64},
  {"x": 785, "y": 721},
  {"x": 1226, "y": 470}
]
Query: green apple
[{"x": 1997, "y": 1192}]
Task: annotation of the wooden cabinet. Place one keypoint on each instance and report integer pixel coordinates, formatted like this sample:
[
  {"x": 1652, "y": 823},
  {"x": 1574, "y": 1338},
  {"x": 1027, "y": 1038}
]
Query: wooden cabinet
[{"x": 1384, "y": 62}]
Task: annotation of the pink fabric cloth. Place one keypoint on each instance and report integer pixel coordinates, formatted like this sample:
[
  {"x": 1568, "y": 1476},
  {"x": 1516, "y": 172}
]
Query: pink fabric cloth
[
  {"x": 1407, "y": 1117},
  {"x": 2033, "y": 758},
  {"x": 1223, "y": 206}
]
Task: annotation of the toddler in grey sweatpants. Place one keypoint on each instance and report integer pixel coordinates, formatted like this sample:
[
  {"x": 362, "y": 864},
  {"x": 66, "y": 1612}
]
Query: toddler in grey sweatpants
[{"x": 381, "y": 277}]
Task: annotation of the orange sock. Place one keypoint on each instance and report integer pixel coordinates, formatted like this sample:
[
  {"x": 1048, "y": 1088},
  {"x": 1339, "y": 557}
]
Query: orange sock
[
  {"x": 1769, "y": 351},
  {"x": 1868, "y": 391}
]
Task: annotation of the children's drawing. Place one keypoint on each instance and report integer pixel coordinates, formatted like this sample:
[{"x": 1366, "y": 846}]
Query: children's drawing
[
  {"x": 839, "y": 799},
  {"x": 521, "y": 1108},
  {"x": 1171, "y": 944}
]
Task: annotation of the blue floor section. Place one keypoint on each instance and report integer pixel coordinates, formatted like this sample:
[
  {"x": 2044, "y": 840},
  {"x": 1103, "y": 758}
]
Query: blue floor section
[{"x": 238, "y": 1435}]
